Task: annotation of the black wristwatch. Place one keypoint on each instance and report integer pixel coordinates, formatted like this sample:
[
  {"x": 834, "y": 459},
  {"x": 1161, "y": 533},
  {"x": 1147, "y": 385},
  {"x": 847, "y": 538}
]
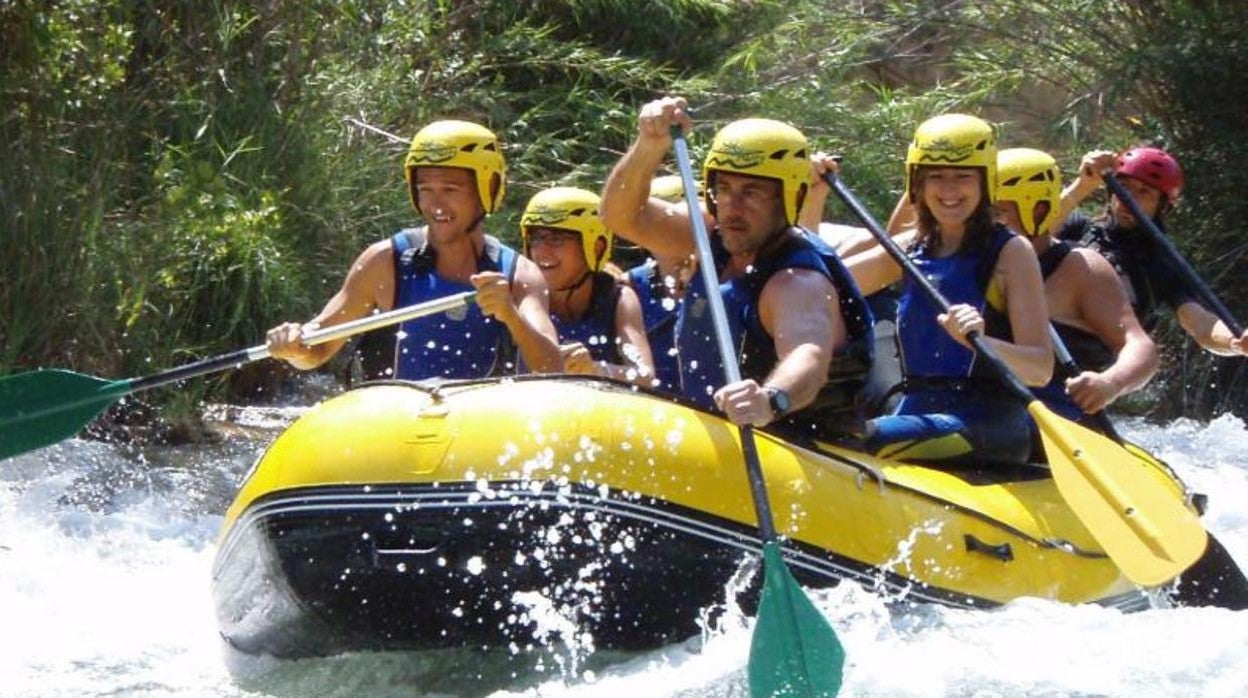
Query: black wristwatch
[{"x": 779, "y": 401}]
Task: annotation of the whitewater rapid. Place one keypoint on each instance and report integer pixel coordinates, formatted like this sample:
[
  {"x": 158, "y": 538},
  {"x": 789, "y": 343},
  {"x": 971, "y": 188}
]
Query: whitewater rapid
[{"x": 106, "y": 551}]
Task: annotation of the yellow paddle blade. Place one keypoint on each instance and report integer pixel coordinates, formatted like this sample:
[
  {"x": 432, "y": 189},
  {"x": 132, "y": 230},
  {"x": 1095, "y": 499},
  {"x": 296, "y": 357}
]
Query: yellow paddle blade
[{"x": 1141, "y": 521}]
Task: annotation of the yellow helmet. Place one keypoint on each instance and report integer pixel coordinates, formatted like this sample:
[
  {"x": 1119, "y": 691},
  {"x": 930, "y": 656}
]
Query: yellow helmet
[
  {"x": 464, "y": 145},
  {"x": 763, "y": 148},
  {"x": 568, "y": 208},
  {"x": 670, "y": 188},
  {"x": 1030, "y": 177},
  {"x": 954, "y": 140}
]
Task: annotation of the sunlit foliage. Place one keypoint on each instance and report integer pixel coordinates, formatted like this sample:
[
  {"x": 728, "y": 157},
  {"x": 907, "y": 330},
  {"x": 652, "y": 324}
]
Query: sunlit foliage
[{"x": 180, "y": 176}]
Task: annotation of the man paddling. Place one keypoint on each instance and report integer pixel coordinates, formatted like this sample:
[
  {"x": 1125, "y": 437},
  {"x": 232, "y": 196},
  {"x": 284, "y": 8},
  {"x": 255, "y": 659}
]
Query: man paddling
[
  {"x": 794, "y": 318},
  {"x": 456, "y": 177},
  {"x": 1154, "y": 179},
  {"x": 1086, "y": 302}
]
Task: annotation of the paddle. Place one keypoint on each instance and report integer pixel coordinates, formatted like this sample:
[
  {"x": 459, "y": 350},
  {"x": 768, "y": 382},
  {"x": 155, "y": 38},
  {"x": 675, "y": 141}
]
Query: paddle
[
  {"x": 1071, "y": 369},
  {"x": 794, "y": 650},
  {"x": 1213, "y": 580},
  {"x": 43, "y": 407},
  {"x": 1148, "y": 532},
  {"x": 1207, "y": 296}
]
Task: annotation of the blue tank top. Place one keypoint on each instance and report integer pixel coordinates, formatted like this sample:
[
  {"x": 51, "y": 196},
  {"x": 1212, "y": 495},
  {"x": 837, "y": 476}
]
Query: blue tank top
[
  {"x": 596, "y": 330},
  {"x": 460, "y": 343},
  {"x": 697, "y": 352},
  {"x": 659, "y": 311},
  {"x": 927, "y": 351}
]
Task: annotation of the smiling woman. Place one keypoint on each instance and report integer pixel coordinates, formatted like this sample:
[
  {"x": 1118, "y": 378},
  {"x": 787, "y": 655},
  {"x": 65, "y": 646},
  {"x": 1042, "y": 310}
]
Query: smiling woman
[{"x": 953, "y": 406}]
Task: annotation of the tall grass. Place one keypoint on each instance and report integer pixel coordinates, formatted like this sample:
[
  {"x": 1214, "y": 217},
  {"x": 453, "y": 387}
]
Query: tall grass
[{"x": 180, "y": 176}]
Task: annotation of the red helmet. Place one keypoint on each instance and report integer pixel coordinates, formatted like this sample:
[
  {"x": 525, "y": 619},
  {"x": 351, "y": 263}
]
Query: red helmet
[{"x": 1154, "y": 167}]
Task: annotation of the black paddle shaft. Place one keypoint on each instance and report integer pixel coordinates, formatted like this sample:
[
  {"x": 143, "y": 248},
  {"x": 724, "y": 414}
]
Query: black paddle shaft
[
  {"x": 199, "y": 368},
  {"x": 933, "y": 294},
  {"x": 1071, "y": 369},
  {"x": 1207, "y": 297}
]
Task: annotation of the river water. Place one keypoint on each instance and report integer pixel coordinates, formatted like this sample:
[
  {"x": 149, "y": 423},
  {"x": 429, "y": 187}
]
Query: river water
[{"x": 106, "y": 551}]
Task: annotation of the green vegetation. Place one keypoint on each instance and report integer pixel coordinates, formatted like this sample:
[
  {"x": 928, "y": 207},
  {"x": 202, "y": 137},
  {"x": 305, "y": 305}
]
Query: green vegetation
[{"x": 180, "y": 176}]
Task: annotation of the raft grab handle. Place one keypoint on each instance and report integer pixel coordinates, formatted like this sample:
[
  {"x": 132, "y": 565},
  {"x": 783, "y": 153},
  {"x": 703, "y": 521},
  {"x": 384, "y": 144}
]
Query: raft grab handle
[{"x": 1002, "y": 552}]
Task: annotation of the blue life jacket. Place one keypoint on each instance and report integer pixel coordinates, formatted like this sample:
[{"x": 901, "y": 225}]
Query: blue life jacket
[
  {"x": 596, "y": 330},
  {"x": 701, "y": 367},
  {"x": 953, "y": 407},
  {"x": 927, "y": 350},
  {"x": 658, "y": 310},
  {"x": 460, "y": 343}
]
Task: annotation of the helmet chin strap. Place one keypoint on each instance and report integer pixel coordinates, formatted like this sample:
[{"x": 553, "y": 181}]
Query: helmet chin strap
[
  {"x": 569, "y": 290},
  {"x": 578, "y": 283},
  {"x": 476, "y": 252}
]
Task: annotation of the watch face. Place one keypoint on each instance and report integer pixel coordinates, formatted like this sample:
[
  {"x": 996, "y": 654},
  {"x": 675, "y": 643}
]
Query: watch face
[{"x": 779, "y": 401}]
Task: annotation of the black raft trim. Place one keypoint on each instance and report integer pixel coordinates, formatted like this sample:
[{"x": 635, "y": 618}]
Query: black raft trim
[{"x": 812, "y": 566}]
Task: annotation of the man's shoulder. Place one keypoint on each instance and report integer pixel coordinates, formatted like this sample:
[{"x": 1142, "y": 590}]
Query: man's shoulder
[
  {"x": 797, "y": 282},
  {"x": 1082, "y": 266},
  {"x": 800, "y": 251},
  {"x": 1087, "y": 258},
  {"x": 381, "y": 250}
]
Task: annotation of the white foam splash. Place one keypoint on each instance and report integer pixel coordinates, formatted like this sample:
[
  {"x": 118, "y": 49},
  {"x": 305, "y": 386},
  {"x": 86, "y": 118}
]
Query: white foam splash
[{"x": 105, "y": 568}]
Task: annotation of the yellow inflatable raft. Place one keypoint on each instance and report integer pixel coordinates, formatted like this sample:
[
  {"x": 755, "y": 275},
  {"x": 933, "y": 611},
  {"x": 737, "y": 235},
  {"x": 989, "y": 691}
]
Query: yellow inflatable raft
[{"x": 414, "y": 515}]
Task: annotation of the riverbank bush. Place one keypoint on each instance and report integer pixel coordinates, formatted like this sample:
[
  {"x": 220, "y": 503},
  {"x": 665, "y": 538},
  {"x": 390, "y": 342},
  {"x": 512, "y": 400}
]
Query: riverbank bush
[{"x": 183, "y": 175}]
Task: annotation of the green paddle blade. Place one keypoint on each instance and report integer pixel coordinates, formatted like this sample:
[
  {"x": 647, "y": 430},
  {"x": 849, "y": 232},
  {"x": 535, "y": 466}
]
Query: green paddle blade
[
  {"x": 794, "y": 651},
  {"x": 40, "y": 408}
]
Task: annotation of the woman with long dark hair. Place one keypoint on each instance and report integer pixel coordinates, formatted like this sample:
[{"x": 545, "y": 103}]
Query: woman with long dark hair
[{"x": 952, "y": 407}]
